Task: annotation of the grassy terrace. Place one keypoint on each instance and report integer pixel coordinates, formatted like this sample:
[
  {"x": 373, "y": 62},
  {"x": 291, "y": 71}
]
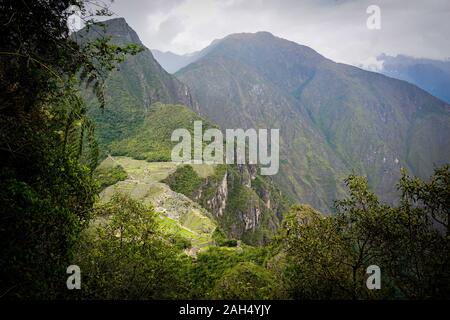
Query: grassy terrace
[{"x": 179, "y": 215}]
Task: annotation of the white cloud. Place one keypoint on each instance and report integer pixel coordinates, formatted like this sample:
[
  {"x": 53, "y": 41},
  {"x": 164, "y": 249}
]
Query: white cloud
[{"x": 335, "y": 28}]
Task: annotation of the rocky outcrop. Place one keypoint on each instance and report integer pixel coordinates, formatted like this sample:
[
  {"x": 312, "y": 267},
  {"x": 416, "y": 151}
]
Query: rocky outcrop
[
  {"x": 248, "y": 173},
  {"x": 246, "y": 205},
  {"x": 218, "y": 202},
  {"x": 251, "y": 217}
]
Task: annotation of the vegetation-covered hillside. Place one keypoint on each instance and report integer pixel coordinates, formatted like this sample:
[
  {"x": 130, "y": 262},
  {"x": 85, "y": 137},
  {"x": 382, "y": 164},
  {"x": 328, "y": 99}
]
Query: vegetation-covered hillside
[
  {"x": 333, "y": 118},
  {"x": 140, "y": 227},
  {"x": 246, "y": 205},
  {"x": 131, "y": 89},
  {"x": 131, "y": 255}
]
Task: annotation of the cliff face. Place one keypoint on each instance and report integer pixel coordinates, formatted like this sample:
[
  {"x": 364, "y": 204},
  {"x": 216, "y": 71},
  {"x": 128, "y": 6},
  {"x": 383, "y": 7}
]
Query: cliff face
[
  {"x": 217, "y": 204},
  {"x": 246, "y": 205}
]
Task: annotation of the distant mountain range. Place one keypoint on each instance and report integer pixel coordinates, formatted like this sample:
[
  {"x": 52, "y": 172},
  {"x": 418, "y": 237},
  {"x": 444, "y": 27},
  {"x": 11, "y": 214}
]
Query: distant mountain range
[
  {"x": 334, "y": 119},
  {"x": 430, "y": 75},
  {"x": 173, "y": 62}
]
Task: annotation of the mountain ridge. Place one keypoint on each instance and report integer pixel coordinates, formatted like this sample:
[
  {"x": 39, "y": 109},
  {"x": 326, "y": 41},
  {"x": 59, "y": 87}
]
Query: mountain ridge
[
  {"x": 372, "y": 124},
  {"x": 138, "y": 83},
  {"x": 366, "y": 122}
]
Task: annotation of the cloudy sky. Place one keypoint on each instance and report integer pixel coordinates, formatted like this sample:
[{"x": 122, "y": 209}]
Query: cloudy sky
[{"x": 335, "y": 28}]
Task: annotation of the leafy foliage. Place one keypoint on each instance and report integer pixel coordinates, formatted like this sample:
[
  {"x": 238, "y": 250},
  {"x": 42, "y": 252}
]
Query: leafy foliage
[
  {"x": 128, "y": 258},
  {"x": 211, "y": 265},
  {"x": 47, "y": 145},
  {"x": 246, "y": 280},
  {"x": 109, "y": 175},
  {"x": 327, "y": 256},
  {"x": 184, "y": 180},
  {"x": 221, "y": 239}
]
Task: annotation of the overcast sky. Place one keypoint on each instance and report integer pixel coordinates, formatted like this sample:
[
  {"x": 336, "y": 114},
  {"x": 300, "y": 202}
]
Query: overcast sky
[{"x": 335, "y": 28}]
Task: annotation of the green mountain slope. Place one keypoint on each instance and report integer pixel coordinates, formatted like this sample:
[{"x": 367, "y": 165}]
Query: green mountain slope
[
  {"x": 151, "y": 135},
  {"x": 179, "y": 215},
  {"x": 144, "y": 106},
  {"x": 131, "y": 90},
  {"x": 334, "y": 118},
  {"x": 246, "y": 205}
]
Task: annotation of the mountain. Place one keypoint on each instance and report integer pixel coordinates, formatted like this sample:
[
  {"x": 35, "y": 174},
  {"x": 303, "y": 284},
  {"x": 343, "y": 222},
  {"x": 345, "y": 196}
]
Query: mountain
[
  {"x": 144, "y": 106},
  {"x": 430, "y": 75},
  {"x": 172, "y": 62},
  {"x": 246, "y": 206},
  {"x": 334, "y": 119},
  {"x": 138, "y": 83}
]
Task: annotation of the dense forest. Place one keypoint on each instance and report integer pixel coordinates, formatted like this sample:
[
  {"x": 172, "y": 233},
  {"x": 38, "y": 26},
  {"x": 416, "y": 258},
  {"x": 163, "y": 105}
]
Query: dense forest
[{"x": 51, "y": 216}]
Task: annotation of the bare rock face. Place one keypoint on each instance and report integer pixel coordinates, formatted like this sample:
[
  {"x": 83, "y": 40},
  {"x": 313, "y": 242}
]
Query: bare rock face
[
  {"x": 248, "y": 173},
  {"x": 251, "y": 217},
  {"x": 252, "y": 207},
  {"x": 218, "y": 203},
  {"x": 246, "y": 206}
]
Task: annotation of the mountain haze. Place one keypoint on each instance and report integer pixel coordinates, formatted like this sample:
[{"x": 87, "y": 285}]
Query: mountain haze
[
  {"x": 172, "y": 62},
  {"x": 431, "y": 75}
]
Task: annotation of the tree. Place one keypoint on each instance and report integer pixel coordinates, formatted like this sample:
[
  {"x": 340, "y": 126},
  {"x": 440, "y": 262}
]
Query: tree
[
  {"x": 125, "y": 256},
  {"x": 432, "y": 197},
  {"x": 47, "y": 146},
  {"x": 413, "y": 240},
  {"x": 246, "y": 281},
  {"x": 327, "y": 256}
]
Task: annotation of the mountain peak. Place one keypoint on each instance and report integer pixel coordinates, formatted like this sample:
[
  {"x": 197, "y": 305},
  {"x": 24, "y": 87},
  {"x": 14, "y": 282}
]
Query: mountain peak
[
  {"x": 118, "y": 21},
  {"x": 249, "y": 35},
  {"x": 265, "y": 43},
  {"x": 116, "y": 28},
  {"x": 333, "y": 118}
]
